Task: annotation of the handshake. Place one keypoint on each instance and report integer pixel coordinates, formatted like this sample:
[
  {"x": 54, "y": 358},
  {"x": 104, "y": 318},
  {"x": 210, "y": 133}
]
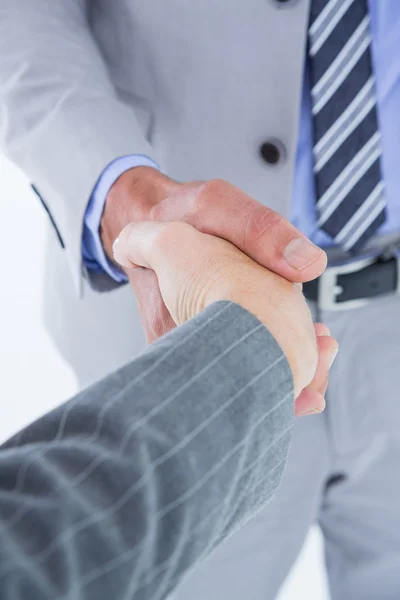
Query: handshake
[{"x": 189, "y": 245}]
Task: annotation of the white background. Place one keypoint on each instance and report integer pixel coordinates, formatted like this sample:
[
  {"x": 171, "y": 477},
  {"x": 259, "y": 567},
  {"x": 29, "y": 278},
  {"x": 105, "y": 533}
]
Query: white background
[{"x": 33, "y": 377}]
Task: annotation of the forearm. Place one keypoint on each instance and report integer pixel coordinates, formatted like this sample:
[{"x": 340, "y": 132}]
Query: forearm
[
  {"x": 117, "y": 495},
  {"x": 61, "y": 119}
]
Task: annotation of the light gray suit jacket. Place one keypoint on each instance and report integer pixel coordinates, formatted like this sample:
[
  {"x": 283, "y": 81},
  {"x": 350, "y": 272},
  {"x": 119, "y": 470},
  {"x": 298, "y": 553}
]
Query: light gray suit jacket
[
  {"x": 121, "y": 491},
  {"x": 197, "y": 86}
]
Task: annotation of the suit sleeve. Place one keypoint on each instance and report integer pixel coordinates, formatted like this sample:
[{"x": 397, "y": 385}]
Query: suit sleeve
[
  {"x": 61, "y": 120},
  {"x": 125, "y": 488}
]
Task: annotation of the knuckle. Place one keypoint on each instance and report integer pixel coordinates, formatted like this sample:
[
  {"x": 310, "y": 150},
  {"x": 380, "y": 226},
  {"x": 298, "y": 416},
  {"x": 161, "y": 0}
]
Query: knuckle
[
  {"x": 157, "y": 211},
  {"x": 128, "y": 234},
  {"x": 210, "y": 190},
  {"x": 215, "y": 186},
  {"x": 168, "y": 234},
  {"x": 262, "y": 223}
]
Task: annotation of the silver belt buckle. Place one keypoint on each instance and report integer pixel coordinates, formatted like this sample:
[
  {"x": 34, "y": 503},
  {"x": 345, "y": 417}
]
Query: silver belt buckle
[{"x": 329, "y": 289}]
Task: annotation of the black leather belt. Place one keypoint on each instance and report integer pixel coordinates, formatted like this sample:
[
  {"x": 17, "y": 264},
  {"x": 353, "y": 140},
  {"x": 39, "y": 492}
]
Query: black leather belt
[{"x": 353, "y": 284}]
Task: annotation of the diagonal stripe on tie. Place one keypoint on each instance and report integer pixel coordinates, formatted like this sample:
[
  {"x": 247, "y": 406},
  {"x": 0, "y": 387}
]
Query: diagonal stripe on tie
[
  {"x": 327, "y": 20},
  {"x": 350, "y": 191},
  {"x": 342, "y": 95},
  {"x": 351, "y": 197},
  {"x": 344, "y": 125},
  {"x": 341, "y": 66},
  {"x": 375, "y": 202},
  {"x": 359, "y": 140}
]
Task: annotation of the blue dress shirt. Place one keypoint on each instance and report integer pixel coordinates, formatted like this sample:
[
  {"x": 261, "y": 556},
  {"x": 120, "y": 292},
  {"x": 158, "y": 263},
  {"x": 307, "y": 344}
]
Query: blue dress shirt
[
  {"x": 385, "y": 30},
  {"x": 93, "y": 253}
]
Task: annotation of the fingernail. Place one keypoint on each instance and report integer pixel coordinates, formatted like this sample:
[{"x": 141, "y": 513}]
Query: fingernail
[
  {"x": 310, "y": 411},
  {"x": 333, "y": 357},
  {"x": 326, "y": 331},
  {"x": 114, "y": 246},
  {"x": 300, "y": 253}
]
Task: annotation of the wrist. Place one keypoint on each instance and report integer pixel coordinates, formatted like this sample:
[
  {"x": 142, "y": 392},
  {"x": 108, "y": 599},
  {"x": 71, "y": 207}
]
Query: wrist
[
  {"x": 286, "y": 319},
  {"x": 130, "y": 199}
]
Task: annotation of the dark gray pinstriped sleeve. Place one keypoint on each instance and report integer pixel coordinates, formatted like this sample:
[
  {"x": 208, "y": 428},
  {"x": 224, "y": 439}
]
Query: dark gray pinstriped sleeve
[{"x": 119, "y": 492}]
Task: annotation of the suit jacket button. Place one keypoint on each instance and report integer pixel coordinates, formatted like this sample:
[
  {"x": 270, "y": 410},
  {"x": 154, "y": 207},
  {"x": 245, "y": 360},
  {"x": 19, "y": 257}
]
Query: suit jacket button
[
  {"x": 281, "y": 3},
  {"x": 272, "y": 152}
]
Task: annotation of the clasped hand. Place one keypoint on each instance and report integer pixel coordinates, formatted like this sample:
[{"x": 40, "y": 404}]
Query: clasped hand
[{"x": 261, "y": 267}]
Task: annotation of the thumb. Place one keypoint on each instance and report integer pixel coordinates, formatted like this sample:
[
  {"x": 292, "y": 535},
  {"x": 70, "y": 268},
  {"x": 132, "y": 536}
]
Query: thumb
[
  {"x": 155, "y": 245},
  {"x": 133, "y": 246},
  {"x": 175, "y": 252}
]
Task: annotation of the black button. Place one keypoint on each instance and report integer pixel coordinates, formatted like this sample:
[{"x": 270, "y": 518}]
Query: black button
[{"x": 270, "y": 153}]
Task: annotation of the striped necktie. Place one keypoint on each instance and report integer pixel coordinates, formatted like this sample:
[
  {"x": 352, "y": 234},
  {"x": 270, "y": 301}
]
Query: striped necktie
[{"x": 351, "y": 201}]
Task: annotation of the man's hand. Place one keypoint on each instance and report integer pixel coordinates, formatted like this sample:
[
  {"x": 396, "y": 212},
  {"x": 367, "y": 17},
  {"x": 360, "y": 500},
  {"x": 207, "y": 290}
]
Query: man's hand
[
  {"x": 194, "y": 270},
  {"x": 215, "y": 207}
]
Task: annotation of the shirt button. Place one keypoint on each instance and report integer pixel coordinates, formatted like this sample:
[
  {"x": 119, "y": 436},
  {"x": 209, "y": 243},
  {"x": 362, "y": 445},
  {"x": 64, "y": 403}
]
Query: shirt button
[{"x": 272, "y": 152}]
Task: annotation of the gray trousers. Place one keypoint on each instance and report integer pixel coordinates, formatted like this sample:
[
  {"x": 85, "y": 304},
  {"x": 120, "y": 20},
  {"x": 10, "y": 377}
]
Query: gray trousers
[{"x": 343, "y": 473}]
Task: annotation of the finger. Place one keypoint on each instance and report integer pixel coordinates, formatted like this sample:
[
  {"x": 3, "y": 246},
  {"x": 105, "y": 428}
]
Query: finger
[
  {"x": 321, "y": 329},
  {"x": 327, "y": 351},
  {"x": 156, "y": 245},
  {"x": 311, "y": 400},
  {"x": 155, "y": 317},
  {"x": 220, "y": 209},
  {"x": 133, "y": 246}
]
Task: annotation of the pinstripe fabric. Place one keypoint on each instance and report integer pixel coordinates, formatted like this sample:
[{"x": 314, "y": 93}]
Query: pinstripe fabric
[
  {"x": 350, "y": 192},
  {"x": 121, "y": 491}
]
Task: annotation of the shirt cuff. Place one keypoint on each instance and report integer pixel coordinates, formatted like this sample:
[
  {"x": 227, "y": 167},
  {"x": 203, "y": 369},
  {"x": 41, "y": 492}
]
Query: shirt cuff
[{"x": 94, "y": 257}]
